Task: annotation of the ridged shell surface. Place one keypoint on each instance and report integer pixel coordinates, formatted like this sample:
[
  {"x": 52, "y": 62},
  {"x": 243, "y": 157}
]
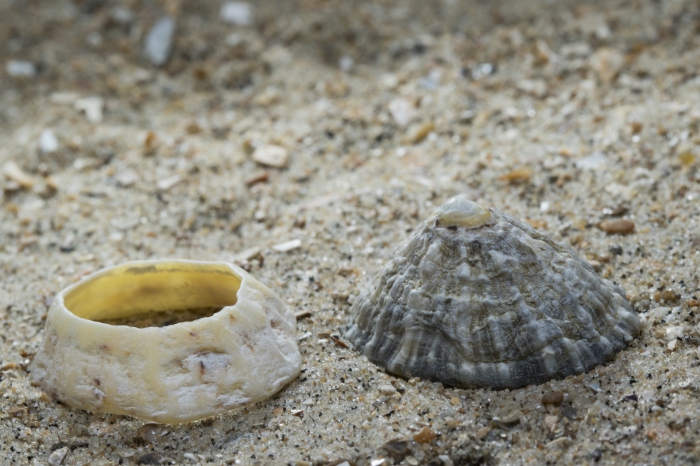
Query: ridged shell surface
[{"x": 476, "y": 298}]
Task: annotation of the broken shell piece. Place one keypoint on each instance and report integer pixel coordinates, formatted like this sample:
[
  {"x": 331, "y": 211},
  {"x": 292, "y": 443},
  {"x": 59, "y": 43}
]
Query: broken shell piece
[
  {"x": 242, "y": 354},
  {"x": 475, "y": 298}
]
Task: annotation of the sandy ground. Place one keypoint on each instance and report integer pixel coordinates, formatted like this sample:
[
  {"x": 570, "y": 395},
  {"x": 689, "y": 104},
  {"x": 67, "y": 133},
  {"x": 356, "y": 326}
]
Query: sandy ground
[{"x": 566, "y": 114}]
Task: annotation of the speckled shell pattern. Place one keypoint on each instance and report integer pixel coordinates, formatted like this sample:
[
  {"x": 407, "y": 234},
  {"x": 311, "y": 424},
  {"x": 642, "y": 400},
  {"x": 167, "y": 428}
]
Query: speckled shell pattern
[{"x": 500, "y": 305}]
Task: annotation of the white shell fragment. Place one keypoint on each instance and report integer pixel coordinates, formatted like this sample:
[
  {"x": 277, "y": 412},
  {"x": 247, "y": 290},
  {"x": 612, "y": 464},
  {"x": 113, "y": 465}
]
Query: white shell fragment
[
  {"x": 475, "y": 298},
  {"x": 242, "y": 354},
  {"x": 271, "y": 156}
]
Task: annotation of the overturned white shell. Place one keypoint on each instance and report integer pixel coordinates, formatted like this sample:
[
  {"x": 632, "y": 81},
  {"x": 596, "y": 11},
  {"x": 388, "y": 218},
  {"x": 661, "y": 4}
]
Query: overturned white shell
[
  {"x": 187, "y": 371},
  {"x": 475, "y": 298}
]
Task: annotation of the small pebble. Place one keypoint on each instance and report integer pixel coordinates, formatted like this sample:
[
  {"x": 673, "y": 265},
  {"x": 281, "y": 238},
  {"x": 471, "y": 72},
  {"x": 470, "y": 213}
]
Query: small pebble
[
  {"x": 397, "y": 449},
  {"x": 520, "y": 175},
  {"x": 63, "y": 98},
  {"x": 126, "y": 178},
  {"x": 12, "y": 171},
  {"x": 20, "y": 68},
  {"x": 483, "y": 432},
  {"x": 512, "y": 418},
  {"x": 686, "y": 158},
  {"x": 387, "y": 389},
  {"x": 668, "y": 296},
  {"x": 159, "y": 41},
  {"x": 568, "y": 411},
  {"x": 287, "y": 246},
  {"x": 147, "y": 434},
  {"x": 56, "y": 458},
  {"x": 121, "y": 15},
  {"x": 148, "y": 458},
  {"x": 607, "y": 63},
  {"x": 551, "y": 422},
  {"x": 553, "y": 398},
  {"x": 47, "y": 141},
  {"x": 402, "y": 111},
  {"x": 238, "y": 13},
  {"x": 426, "y": 435},
  {"x": 166, "y": 183},
  {"x": 421, "y": 132},
  {"x": 618, "y": 226},
  {"x": 455, "y": 400},
  {"x": 593, "y": 162},
  {"x": 271, "y": 156},
  {"x": 346, "y": 63},
  {"x": 92, "y": 107}
]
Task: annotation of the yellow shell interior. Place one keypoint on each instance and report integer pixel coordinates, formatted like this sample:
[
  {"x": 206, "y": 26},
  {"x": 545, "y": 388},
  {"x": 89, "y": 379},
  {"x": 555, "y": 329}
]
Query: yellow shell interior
[
  {"x": 461, "y": 212},
  {"x": 129, "y": 290}
]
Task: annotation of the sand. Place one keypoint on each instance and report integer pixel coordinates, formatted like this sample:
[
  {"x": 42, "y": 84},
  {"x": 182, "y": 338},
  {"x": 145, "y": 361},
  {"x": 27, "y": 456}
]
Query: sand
[{"x": 566, "y": 114}]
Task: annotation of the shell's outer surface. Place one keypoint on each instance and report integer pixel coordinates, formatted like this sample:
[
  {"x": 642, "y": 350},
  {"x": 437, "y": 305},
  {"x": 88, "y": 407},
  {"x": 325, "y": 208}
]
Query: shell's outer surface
[
  {"x": 244, "y": 353},
  {"x": 488, "y": 301}
]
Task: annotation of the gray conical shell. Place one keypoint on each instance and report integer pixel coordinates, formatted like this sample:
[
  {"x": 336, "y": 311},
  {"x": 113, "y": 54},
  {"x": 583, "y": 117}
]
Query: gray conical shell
[{"x": 498, "y": 305}]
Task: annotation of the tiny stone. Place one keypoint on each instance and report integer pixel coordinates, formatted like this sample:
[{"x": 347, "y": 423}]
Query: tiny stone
[
  {"x": 346, "y": 63},
  {"x": 617, "y": 226},
  {"x": 402, "y": 111},
  {"x": 47, "y": 141},
  {"x": 167, "y": 183},
  {"x": 568, "y": 411},
  {"x": 520, "y": 175},
  {"x": 426, "y": 435},
  {"x": 287, "y": 246},
  {"x": 551, "y": 422},
  {"x": 483, "y": 432},
  {"x": 92, "y": 106},
  {"x": 387, "y": 389},
  {"x": 63, "y": 98},
  {"x": 593, "y": 162},
  {"x": 271, "y": 155},
  {"x": 238, "y": 13},
  {"x": 159, "y": 40},
  {"x": 553, "y": 398},
  {"x": 147, "y": 434},
  {"x": 20, "y": 68},
  {"x": 12, "y": 171},
  {"x": 126, "y": 178},
  {"x": 455, "y": 400},
  {"x": 121, "y": 15},
  {"x": 397, "y": 449},
  {"x": 512, "y": 418},
  {"x": 148, "y": 458},
  {"x": 607, "y": 63},
  {"x": 56, "y": 458},
  {"x": 421, "y": 132}
]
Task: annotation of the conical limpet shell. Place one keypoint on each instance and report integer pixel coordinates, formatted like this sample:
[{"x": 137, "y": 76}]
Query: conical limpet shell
[
  {"x": 244, "y": 353},
  {"x": 475, "y": 298}
]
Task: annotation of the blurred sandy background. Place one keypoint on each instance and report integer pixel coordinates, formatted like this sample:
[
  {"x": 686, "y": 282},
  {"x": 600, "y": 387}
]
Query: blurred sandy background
[{"x": 303, "y": 140}]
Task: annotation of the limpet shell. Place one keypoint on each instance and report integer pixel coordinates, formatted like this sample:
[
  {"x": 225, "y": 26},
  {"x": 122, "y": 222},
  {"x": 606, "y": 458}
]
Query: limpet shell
[
  {"x": 476, "y": 298},
  {"x": 242, "y": 354}
]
